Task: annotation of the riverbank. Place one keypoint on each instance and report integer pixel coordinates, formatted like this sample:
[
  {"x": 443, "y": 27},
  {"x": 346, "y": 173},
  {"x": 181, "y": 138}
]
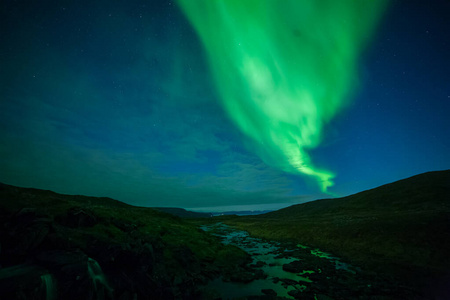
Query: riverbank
[
  {"x": 295, "y": 271},
  {"x": 399, "y": 230}
]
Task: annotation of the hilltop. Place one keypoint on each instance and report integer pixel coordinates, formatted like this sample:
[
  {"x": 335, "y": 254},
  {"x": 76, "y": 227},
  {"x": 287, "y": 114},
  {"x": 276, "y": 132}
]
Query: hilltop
[{"x": 423, "y": 192}]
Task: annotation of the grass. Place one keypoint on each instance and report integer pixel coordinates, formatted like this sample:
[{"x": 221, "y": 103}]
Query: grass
[
  {"x": 401, "y": 228},
  {"x": 119, "y": 223}
]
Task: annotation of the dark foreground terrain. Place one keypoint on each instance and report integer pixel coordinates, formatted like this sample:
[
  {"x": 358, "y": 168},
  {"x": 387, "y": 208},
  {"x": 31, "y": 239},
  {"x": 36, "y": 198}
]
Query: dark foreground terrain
[
  {"x": 400, "y": 229},
  {"x": 391, "y": 242},
  {"x": 57, "y": 246}
]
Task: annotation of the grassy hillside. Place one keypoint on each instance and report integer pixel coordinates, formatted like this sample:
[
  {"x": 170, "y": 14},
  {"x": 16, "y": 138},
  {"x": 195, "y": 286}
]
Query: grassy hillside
[
  {"x": 144, "y": 253},
  {"x": 424, "y": 192},
  {"x": 401, "y": 228}
]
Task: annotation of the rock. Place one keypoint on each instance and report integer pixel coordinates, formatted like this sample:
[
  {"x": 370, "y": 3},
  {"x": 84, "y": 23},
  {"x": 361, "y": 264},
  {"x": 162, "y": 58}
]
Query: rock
[
  {"x": 125, "y": 257},
  {"x": 260, "y": 297},
  {"x": 78, "y": 276},
  {"x": 26, "y": 213},
  {"x": 242, "y": 276},
  {"x": 126, "y": 295},
  {"x": 323, "y": 297},
  {"x": 269, "y": 292},
  {"x": 259, "y": 274},
  {"x": 22, "y": 282},
  {"x": 78, "y": 217},
  {"x": 184, "y": 256},
  {"x": 23, "y": 233},
  {"x": 295, "y": 293},
  {"x": 124, "y": 226},
  {"x": 56, "y": 259},
  {"x": 294, "y": 267},
  {"x": 258, "y": 264},
  {"x": 287, "y": 281}
]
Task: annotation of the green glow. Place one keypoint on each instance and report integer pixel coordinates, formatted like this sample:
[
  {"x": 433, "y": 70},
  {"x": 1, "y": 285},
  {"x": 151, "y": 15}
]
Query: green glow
[{"x": 284, "y": 68}]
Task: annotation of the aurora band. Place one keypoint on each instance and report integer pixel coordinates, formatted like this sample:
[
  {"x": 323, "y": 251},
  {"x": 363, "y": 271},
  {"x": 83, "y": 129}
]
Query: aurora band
[{"x": 284, "y": 68}]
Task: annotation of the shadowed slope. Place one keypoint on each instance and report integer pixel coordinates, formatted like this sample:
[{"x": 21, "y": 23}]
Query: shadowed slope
[
  {"x": 100, "y": 246},
  {"x": 424, "y": 192},
  {"x": 402, "y": 228}
]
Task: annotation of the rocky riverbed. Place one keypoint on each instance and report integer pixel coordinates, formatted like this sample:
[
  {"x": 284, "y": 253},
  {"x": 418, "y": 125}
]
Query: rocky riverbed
[{"x": 295, "y": 271}]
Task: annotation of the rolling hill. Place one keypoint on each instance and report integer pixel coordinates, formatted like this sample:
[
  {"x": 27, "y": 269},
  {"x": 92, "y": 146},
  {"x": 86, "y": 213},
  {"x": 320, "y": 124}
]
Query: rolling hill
[
  {"x": 401, "y": 228},
  {"x": 425, "y": 192},
  {"x": 55, "y": 246}
]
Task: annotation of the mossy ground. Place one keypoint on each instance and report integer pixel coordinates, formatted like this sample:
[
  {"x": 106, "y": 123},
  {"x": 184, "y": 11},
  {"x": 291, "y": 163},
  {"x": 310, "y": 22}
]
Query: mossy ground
[
  {"x": 400, "y": 229},
  {"x": 183, "y": 244}
]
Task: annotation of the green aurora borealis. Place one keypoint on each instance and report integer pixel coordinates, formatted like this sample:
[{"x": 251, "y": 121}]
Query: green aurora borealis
[
  {"x": 202, "y": 104},
  {"x": 284, "y": 69}
]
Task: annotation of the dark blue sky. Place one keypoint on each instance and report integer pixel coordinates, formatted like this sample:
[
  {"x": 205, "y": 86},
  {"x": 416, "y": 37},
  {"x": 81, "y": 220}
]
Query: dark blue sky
[{"x": 116, "y": 99}]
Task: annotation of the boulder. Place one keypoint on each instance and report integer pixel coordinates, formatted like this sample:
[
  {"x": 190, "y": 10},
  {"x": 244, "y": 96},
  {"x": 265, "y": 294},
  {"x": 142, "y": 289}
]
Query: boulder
[
  {"x": 23, "y": 233},
  {"x": 269, "y": 292},
  {"x": 57, "y": 259},
  {"x": 323, "y": 297},
  {"x": 259, "y": 274},
  {"x": 294, "y": 267},
  {"x": 242, "y": 276},
  {"x": 79, "y": 217},
  {"x": 295, "y": 293},
  {"x": 287, "y": 281},
  {"x": 124, "y": 226},
  {"x": 24, "y": 281}
]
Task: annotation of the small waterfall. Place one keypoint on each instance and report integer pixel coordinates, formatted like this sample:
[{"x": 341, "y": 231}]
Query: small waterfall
[
  {"x": 98, "y": 279},
  {"x": 50, "y": 286}
]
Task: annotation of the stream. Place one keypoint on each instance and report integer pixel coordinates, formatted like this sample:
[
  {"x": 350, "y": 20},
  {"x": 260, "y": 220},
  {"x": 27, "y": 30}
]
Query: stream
[{"x": 292, "y": 271}]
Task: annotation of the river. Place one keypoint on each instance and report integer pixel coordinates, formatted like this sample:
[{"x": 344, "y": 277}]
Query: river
[{"x": 294, "y": 271}]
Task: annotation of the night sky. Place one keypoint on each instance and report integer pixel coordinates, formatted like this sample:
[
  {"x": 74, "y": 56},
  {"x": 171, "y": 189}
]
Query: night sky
[{"x": 213, "y": 106}]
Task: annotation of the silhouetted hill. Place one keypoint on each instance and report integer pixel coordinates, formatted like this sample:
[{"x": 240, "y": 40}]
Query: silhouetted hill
[
  {"x": 241, "y": 212},
  {"x": 420, "y": 193},
  {"x": 183, "y": 213},
  {"x": 401, "y": 228},
  {"x": 49, "y": 197}
]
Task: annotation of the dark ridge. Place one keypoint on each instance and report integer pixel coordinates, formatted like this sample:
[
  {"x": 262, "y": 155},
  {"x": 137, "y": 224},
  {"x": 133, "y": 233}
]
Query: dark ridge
[
  {"x": 183, "y": 213},
  {"x": 423, "y": 192},
  {"x": 22, "y": 193},
  {"x": 401, "y": 229},
  {"x": 241, "y": 212}
]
